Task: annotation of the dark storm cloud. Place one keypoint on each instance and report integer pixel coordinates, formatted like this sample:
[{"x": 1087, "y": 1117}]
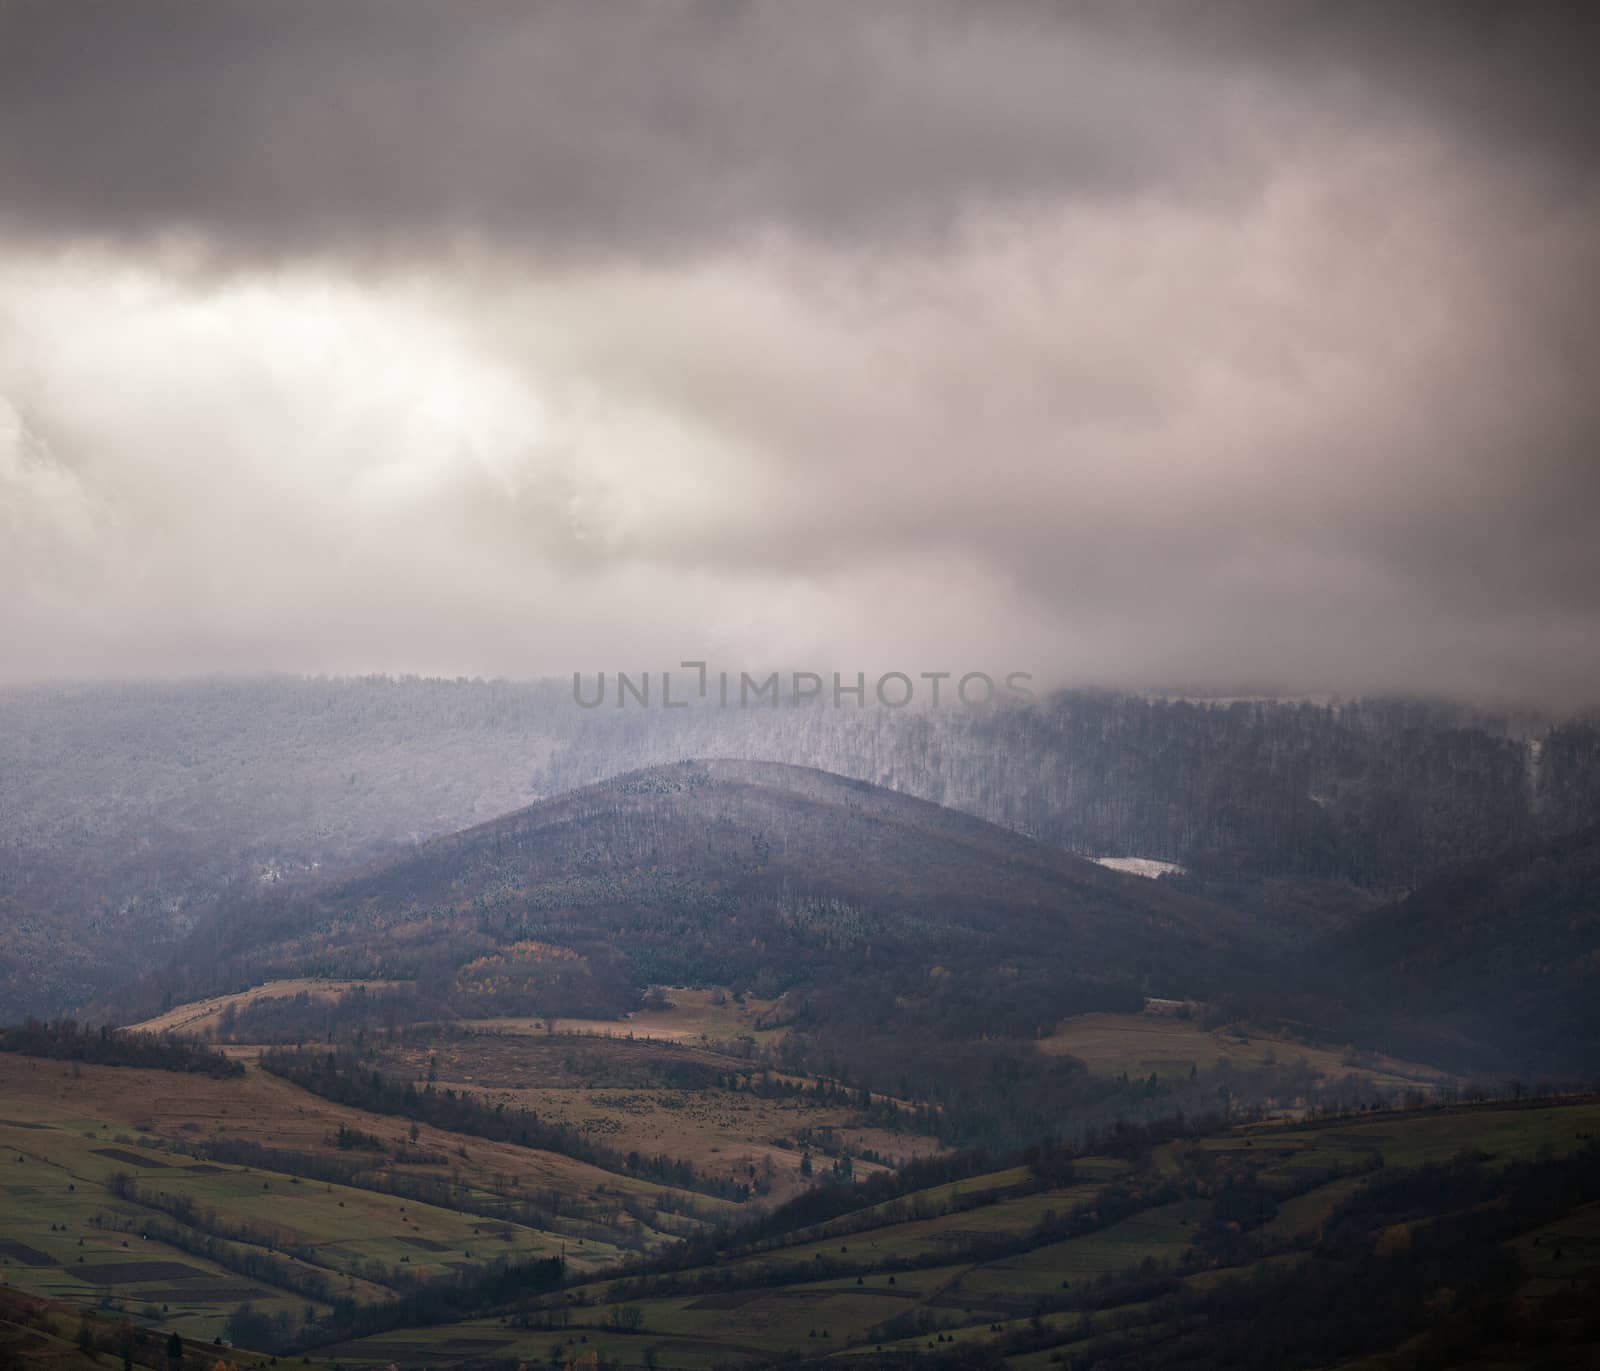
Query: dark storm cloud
[
  {"x": 283, "y": 128},
  {"x": 289, "y": 127}
]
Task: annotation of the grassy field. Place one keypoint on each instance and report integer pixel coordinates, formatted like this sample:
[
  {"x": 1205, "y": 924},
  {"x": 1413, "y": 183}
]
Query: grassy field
[
  {"x": 707, "y": 1017},
  {"x": 68, "y": 1236},
  {"x": 655, "y": 1096},
  {"x": 66, "y": 1131},
  {"x": 1411, "y": 1138},
  {"x": 1167, "y": 1046},
  {"x": 998, "y": 1263},
  {"x": 63, "y": 1239},
  {"x": 901, "y": 1285},
  {"x": 1161, "y": 1234},
  {"x": 264, "y": 1109}
]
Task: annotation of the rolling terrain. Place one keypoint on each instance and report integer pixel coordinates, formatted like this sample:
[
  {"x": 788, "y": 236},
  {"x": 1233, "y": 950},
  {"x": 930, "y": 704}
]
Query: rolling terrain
[
  {"x": 866, "y": 937},
  {"x": 721, "y": 1063},
  {"x": 131, "y": 812},
  {"x": 773, "y": 879},
  {"x": 1315, "y": 1245},
  {"x": 907, "y": 950},
  {"x": 189, "y": 1197},
  {"x": 244, "y": 1207}
]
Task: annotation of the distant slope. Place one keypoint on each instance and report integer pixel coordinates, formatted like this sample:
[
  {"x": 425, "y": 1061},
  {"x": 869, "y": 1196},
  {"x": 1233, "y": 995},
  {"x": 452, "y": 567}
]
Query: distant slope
[
  {"x": 1499, "y": 960},
  {"x": 129, "y": 811},
  {"x": 773, "y": 877}
]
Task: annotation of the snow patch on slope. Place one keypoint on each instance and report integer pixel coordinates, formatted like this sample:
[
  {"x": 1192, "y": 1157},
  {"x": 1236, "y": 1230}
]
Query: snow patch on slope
[{"x": 1141, "y": 866}]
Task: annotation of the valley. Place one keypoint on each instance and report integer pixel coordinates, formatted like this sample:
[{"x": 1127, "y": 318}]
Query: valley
[
  {"x": 1136, "y": 1250},
  {"x": 725, "y": 1063},
  {"x": 252, "y": 1207}
]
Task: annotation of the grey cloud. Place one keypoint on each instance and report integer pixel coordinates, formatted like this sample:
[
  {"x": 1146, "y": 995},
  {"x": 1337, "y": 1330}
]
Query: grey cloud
[
  {"x": 365, "y": 128},
  {"x": 1152, "y": 343}
]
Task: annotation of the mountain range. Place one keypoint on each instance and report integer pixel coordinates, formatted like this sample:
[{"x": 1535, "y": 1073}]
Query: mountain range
[
  {"x": 132, "y": 814},
  {"x": 875, "y": 917}
]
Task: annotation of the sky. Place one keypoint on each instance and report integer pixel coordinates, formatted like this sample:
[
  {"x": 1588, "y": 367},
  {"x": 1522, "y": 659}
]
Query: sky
[{"x": 1146, "y": 344}]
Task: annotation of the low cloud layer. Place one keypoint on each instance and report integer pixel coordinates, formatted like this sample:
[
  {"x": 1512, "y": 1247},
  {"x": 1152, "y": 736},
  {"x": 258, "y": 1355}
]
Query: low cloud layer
[{"x": 1113, "y": 343}]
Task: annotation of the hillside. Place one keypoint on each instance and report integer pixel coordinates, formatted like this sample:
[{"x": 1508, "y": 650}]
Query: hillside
[
  {"x": 129, "y": 812},
  {"x": 180, "y": 1200},
  {"x": 1498, "y": 961},
  {"x": 251, "y": 1209},
  {"x": 1432, "y": 1238},
  {"x": 777, "y": 879},
  {"x": 905, "y": 949}
]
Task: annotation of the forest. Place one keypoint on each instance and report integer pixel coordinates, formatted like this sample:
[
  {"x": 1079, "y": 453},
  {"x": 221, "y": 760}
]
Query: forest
[{"x": 162, "y": 801}]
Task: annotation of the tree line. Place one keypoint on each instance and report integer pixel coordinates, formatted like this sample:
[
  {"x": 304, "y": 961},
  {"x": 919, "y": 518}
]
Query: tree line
[{"x": 67, "y": 1040}]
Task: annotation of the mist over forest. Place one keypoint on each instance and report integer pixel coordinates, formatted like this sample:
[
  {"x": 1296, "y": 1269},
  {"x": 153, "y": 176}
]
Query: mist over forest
[{"x": 159, "y": 800}]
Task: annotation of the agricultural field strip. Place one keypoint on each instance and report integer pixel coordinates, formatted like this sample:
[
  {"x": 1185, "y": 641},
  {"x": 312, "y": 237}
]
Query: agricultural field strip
[
  {"x": 918, "y": 1239},
  {"x": 719, "y": 1054},
  {"x": 64, "y": 1131},
  {"x": 692, "y": 1315},
  {"x": 918, "y": 1234},
  {"x": 1109, "y": 1044},
  {"x": 264, "y": 1108},
  {"x": 56, "y": 1213},
  {"x": 1505, "y": 1132},
  {"x": 200, "y": 1016},
  {"x": 694, "y": 1016},
  {"x": 715, "y": 1131},
  {"x": 344, "y": 1229},
  {"x": 1286, "y": 1150}
]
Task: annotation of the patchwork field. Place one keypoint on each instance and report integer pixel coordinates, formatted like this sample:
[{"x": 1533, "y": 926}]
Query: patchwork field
[
  {"x": 923, "y": 1285},
  {"x": 694, "y": 1103},
  {"x": 343, "y": 1209},
  {"x": 68, "y": 1237},
  {"x": 263, "y": 1109},
  {"x": 97, "y": 1207}
]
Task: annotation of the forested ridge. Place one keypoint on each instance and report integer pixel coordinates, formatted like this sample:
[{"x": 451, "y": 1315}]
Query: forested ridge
[
  {"x": 912, "y": 951},
  {"x": 127, "y": 812},
  {"x": 1511, "y": 940}
]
